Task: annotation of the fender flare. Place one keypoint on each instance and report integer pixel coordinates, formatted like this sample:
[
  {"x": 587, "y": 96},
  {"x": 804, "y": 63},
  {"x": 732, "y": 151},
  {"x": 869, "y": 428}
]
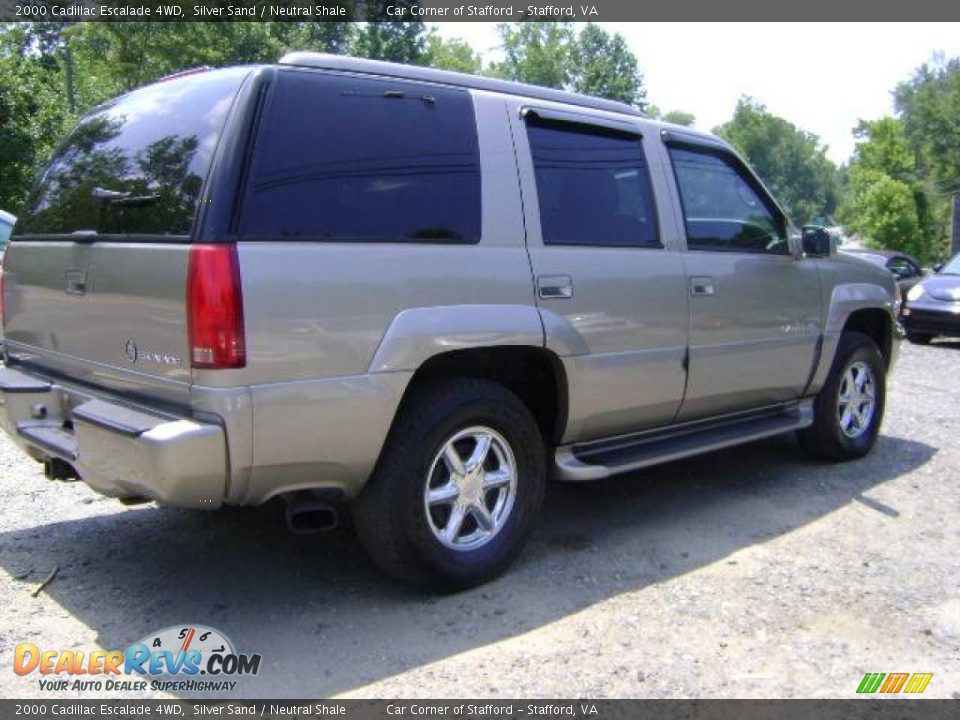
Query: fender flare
[
  {"x": 846, "y": 299},
  {"x": 416, "y": 335}
]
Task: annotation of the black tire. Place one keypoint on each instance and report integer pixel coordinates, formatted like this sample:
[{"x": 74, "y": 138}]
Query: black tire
[
  {"x": 825, "y": 439},
  {"x": 919, "y": 338},
  {"x": 390, "y": 516}
]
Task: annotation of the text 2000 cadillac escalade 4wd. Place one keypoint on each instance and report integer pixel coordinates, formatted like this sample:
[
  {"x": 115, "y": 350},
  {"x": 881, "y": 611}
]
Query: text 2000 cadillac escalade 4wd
[{"x": 419, "y": 295}]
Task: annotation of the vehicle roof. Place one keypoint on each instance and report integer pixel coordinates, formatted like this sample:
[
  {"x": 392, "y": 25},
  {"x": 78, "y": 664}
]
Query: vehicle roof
[{"x": 366, "y": 66}]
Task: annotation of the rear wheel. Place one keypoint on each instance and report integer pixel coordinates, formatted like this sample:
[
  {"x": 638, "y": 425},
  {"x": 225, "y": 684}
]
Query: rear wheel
[
  {"x": 919, "y": 338},
  {"x": 458, "y": 488},
  {"x": 849, "y": 408}
]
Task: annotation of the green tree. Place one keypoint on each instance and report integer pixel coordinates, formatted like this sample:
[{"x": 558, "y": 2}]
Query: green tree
[
  {"x": 538, "y": 53},
  {"x": 553, "y": 54},
  {"x": 679, "y": 117},
  {"x": 452, "y": 54},
  {"x": 403, "y": 42},
  {"x": 792, "y": 162},
  {"x": 929, "y": 106},
  {"x": 33, "y": 115},
  {"x": 885, "y": 197},
  {"x": 603, "y": 65},
  {"x": 885, "y": 211}
]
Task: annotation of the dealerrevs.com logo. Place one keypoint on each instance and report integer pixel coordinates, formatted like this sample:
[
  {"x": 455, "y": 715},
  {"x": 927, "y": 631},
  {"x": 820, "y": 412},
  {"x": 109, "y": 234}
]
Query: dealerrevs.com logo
[{"x": 182, "y": 658}]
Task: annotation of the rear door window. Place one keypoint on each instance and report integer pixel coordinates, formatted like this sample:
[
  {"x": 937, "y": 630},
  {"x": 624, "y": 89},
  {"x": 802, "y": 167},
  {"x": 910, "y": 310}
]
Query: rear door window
[
  {"x": 135, "y": 166},
  {"x": 593, "y": 185},
  {"x": 352, "y": 159}
]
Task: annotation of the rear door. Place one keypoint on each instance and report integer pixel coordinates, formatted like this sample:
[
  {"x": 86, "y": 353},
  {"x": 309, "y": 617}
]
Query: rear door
[
  {"x": 95, "y": 277},
  {"x": 754, "y": 307},
  {"x": 611, "y": 292}
]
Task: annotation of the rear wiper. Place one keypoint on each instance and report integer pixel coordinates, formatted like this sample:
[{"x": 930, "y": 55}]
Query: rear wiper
[{"x": 118, "y": 197}]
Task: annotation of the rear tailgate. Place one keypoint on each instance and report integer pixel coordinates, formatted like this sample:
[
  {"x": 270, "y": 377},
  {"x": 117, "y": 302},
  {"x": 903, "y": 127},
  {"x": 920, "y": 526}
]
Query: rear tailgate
[{"x": 95, "y": 277}]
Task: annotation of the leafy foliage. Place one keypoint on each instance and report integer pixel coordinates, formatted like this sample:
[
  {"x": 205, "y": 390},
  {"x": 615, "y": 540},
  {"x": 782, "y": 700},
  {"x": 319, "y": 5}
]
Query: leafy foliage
[
  {"x": 603, "y": 65},
  {"x": 539, "y": 53},
  {"x": 554, "y": 55},
  {"x": 452, "y": 54},
  {"x": 679, "y": 117},
  {"x": 33, "y": 115},
  {"x": 929, "y": 105},
  {"x": 790, "y": 161},
  {"x": 886, "y": 198}
]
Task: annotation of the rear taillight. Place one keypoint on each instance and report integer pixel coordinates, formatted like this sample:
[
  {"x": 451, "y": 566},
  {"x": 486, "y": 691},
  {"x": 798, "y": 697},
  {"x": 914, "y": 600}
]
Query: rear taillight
[{"x": 215, "y": 308}]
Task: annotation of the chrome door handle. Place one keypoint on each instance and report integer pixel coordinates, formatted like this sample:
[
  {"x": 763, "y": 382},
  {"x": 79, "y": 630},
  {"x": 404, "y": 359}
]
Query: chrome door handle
[
  {"x": 551, "y": 287},
  {"x": 701, "y": 286}
]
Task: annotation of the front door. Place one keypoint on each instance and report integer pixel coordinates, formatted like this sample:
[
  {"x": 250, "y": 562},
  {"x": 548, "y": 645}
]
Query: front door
[{"x": 754, "y": 306}]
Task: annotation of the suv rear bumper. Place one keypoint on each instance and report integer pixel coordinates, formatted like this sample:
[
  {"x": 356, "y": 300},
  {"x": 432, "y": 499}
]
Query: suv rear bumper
[{"x": 118, "y": 450}]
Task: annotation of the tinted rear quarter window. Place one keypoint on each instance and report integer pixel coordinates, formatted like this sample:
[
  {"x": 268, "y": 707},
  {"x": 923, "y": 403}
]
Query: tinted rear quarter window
[
  {"x": 149, "y": 150},
  {"x": 593, "y": 186},
  {"x": 348, "y": 159}
]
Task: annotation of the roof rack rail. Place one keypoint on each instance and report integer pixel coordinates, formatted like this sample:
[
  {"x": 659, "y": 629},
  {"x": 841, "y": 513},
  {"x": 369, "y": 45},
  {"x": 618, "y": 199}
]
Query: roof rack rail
[{"x": 364, "y": 66}]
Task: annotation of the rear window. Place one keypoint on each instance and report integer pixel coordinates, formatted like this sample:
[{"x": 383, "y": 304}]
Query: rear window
[
  {"x": 135, "y": 165},
  {"x": 349, "y": 159}
]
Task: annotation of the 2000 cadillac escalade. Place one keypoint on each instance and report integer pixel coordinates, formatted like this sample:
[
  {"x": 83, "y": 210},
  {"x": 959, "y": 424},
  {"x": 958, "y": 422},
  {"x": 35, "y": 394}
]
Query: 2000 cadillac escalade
[{"x": 419, "y": 294}]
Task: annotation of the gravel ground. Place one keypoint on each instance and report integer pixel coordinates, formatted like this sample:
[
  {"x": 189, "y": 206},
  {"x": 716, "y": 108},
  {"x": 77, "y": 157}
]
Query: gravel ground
[{"x": 751, "y": 572}]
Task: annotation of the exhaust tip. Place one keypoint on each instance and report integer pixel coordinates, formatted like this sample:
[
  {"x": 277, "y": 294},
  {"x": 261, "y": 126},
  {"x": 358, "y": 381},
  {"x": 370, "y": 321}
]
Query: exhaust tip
[{"x": 308, "y": 515}]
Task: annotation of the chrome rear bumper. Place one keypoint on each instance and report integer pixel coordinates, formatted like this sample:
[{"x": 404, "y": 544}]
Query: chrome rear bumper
[{"x": 117, "y": 449}]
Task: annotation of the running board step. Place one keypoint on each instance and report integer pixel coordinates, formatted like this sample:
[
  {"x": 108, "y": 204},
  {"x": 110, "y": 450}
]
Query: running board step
[
  {"x": 602, "y": 459},
  {"x": 52, "y": 439}
]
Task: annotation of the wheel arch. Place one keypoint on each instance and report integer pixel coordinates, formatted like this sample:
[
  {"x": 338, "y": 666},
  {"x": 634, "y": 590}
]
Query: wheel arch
[
  {"x": 502, "y": 343},
  {"x": 534, "y": 374},
  {"x": 856, "y": 307}
]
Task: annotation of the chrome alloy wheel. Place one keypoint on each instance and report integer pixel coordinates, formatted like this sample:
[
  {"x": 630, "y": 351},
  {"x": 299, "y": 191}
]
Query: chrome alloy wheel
[
  {"x": 858, "y": 399},
  {"x": 470, "y": 489}
]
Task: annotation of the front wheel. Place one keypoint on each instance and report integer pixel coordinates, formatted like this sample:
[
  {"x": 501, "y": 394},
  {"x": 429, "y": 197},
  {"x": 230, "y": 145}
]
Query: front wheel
[
  {"x": 458, "y": 488},
  {"x": 849, "y": 408}
]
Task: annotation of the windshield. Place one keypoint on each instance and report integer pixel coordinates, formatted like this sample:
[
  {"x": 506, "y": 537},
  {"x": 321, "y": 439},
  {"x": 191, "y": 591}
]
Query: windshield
[
  {"x": 136, "y": 164},
  {"x": 952, "y": 267}
]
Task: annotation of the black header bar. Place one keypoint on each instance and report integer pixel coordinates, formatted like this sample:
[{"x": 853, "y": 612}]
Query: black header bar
[{"x": 459, "y": 11}]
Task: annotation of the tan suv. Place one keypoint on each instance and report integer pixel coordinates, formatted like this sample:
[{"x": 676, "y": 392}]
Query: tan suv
[{"x": 417, "y": 294}]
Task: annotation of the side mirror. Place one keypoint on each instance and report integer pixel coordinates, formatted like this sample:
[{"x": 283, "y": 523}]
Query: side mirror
[
  {"x": 938, "y": 267},
  {"x": 817, "y": 242}
]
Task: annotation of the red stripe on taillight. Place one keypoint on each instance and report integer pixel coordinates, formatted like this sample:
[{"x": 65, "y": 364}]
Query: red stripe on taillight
[{"x": 215, "y": 308}]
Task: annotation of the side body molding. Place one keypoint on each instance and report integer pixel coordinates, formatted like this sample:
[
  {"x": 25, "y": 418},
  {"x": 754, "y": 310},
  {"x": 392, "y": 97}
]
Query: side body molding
[
  {"x": 418, "y": 334},
  {"x": 846, "y": 299}
]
